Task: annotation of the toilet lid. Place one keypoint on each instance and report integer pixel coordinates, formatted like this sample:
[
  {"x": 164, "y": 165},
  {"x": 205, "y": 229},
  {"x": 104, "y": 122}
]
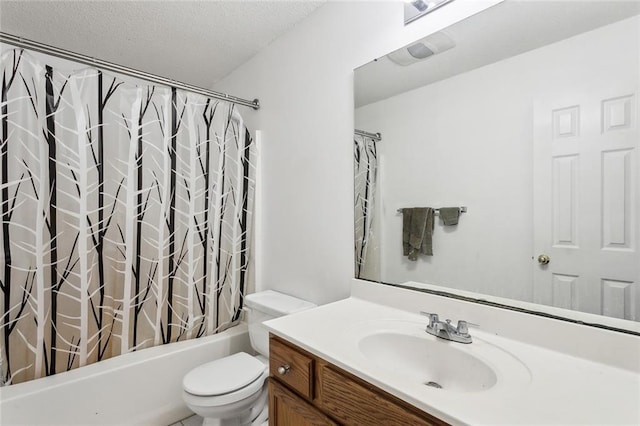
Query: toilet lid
[{"x": 223, "y": 375}]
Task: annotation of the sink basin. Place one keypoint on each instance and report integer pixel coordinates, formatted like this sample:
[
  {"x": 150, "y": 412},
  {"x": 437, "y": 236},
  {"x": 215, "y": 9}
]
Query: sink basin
[
  {"x": 403, "y": 352},
  {"x": 433, "y": 362}
]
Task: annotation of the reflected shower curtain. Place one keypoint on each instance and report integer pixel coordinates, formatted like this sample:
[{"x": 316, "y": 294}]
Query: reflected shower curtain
[
  {"x": 125, "y": 212},
  {"x": 366, "y": 170}
]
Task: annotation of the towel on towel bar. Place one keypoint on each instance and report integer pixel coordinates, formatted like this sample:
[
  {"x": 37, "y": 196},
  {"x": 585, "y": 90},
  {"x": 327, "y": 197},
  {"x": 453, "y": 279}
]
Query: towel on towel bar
[
  {"x": 417, "y": 232},
  {"x": 449, "y": 215}
]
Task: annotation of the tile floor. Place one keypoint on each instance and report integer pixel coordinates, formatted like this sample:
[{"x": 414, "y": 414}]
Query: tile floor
[{"x": 194, "y": 420}]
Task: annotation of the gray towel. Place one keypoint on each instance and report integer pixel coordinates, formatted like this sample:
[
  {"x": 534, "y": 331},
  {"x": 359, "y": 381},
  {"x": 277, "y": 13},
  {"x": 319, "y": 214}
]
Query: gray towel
[
  {"x": 450, "y": 215},
  {"x": 417, "y": 232}
]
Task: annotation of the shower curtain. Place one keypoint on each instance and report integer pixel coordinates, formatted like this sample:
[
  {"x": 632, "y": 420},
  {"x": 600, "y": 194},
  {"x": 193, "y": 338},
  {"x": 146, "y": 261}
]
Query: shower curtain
[
  {"x": 366, "y": 170},
  {"x": 125, "y": 213}
]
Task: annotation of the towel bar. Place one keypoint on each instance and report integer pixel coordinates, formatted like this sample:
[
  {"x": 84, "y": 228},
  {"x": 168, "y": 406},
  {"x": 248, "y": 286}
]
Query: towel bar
[{"x": 463, "y": 209}]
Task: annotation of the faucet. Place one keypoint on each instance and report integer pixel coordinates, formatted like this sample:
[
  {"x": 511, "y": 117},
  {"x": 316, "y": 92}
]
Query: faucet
[{"x": 445, "y": 330}]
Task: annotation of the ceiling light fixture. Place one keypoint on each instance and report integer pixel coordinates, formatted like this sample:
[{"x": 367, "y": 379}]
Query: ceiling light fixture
[
  {"x": 422, "y": 49},
  {"x": 414, "y": 9}
]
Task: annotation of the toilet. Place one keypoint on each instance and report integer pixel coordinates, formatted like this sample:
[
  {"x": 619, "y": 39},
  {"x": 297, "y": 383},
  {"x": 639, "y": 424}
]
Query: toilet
[{"x": 232, "y": 391}]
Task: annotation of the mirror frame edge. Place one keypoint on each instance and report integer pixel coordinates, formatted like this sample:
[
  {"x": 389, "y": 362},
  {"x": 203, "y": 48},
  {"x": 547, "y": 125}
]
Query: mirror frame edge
[{"x": 575, "y": 317}]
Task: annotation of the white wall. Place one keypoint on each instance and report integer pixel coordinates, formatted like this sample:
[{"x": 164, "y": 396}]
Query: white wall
[
  {"x": 468, "y": 140},
  {"x": 304, "y": 81}
]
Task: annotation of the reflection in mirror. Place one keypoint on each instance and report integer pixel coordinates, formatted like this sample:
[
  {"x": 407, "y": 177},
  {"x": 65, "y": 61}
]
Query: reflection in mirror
[
  {"x": 365, "y": 177},
  {"x": 415, "y": 9},
  {"x": 528, "y": 118}
]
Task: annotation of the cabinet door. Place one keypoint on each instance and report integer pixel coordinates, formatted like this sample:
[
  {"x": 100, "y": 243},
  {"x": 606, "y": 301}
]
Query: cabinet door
[
  {"x": 287, "y": 409},
  {"x": 354, "y": 402}
]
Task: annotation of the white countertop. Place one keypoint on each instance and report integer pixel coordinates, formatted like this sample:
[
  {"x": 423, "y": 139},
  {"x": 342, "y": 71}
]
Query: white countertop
[{"x": 561, "y": 389}]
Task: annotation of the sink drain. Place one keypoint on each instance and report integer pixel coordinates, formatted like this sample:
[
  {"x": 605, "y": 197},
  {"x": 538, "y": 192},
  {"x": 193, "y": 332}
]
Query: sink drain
[{"x": 434, "y": 385}]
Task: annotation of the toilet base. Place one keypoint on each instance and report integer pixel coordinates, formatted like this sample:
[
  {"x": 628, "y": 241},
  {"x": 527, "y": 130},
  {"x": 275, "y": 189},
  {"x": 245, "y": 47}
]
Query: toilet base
[{"x": 253, "y": 414}]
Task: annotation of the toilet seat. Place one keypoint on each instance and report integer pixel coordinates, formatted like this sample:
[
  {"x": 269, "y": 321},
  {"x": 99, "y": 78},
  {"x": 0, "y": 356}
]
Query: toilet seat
[{"x": 225, "y": 380}]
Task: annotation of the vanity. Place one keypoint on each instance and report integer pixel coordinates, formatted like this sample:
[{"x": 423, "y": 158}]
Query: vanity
[
  {"x": 305, "y": 389},
  {"x": 368, "y": 360}
]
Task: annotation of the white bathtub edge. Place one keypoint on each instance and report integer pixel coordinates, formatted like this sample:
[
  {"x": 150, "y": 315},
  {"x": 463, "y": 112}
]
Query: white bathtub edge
[{"x": 143, "y": 387}]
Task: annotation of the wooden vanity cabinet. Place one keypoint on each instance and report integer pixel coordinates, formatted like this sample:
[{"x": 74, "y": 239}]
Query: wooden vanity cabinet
[{"x": 307, "y": 390}]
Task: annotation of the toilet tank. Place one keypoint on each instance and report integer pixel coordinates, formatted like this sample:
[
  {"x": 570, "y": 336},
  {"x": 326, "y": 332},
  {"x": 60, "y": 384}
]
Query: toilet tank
[{"x": 266, "y": 305}]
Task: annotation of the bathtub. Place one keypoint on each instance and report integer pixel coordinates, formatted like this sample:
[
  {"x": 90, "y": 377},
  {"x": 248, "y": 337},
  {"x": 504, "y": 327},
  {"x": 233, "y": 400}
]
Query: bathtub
[{"x": 142, "y": 387}]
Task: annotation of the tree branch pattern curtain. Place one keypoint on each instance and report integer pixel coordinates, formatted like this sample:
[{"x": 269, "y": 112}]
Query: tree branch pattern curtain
[
  {"x": 365, "y": 175},
  {"x": 125, "y": 212}
]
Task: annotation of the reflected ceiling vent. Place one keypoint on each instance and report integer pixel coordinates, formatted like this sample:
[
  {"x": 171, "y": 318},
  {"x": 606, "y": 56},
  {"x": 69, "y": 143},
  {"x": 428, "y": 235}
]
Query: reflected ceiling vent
[{"x": 422, "y": 49}]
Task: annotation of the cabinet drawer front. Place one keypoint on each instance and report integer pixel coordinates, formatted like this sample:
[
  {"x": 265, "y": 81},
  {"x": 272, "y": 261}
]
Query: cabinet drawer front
[
  {"x": 353, "y": 403},
  {"x": 299, "y": 374}
]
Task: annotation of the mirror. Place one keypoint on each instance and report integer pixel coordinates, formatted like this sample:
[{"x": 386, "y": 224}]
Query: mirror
[
  {"x": 527, "y": 115},
  {"x": 416, "y": 9}
]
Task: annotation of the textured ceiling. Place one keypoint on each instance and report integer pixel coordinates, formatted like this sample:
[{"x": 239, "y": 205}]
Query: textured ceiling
[{"x": 196, "y": 42}]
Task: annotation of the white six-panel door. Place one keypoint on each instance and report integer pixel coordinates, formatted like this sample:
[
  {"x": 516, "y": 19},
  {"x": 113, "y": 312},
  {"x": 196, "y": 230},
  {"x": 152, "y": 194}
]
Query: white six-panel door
[{"x": 587, "y": 202}]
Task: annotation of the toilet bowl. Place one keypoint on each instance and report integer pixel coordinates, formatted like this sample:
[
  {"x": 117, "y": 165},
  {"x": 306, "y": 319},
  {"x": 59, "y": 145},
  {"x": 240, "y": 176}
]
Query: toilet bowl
[{"x": 232, "y": 391}]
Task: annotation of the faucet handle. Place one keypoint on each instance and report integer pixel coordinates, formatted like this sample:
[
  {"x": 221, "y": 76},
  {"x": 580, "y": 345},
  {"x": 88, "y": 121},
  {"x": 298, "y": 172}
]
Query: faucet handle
[
  {"x": 433, "y": 318},
  {"x": 463, "y": 326}
]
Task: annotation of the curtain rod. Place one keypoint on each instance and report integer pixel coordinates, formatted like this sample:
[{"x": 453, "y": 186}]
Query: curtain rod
[
  {"x": 110, "y": 66},
  {"x": 374, "y": 136},
  {"x": 463, "y": 209}
]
